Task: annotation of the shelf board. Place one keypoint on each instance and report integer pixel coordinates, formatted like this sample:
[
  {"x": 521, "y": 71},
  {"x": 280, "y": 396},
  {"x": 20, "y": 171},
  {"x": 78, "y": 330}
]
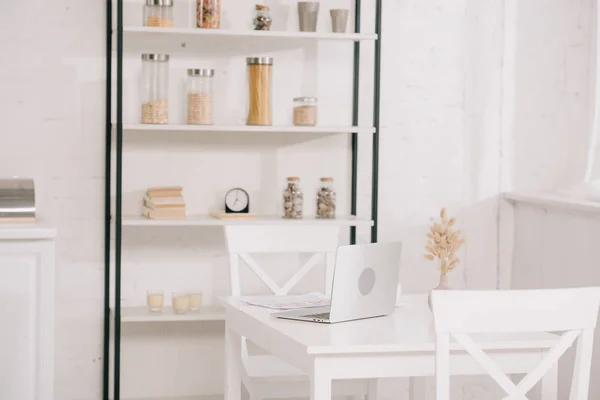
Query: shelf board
[
  {"x": 190, "y": 34},
  {"x": 205, "y": 397},
  {"x": 141, "y": 314},
  {"x": 250, "y": 129},
  {"x": 206, "y": 220},
  {"x": 554, "y": 201}
]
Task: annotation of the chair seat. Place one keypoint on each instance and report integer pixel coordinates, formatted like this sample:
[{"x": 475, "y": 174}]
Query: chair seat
[{"x": 269, "y": 367}]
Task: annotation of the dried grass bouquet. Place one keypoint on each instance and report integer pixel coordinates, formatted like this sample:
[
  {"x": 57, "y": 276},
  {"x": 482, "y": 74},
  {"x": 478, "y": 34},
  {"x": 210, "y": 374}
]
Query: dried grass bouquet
[{"x": 444, "y": 242}]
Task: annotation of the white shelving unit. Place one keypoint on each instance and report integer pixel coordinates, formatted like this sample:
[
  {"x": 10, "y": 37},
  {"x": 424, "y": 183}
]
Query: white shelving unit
[
  {"x": 186, "y": 44},
  {"x": 142, "y": 314}
]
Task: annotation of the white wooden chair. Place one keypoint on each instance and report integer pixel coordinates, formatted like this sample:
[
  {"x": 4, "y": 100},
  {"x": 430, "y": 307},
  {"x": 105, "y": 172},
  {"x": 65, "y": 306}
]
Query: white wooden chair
[
  {"x": 458, "y": 314},
  {"x": 267, "y": 376}
]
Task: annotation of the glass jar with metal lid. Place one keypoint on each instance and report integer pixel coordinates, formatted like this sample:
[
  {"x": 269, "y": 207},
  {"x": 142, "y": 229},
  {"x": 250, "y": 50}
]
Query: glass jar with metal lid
[
  {"x": 200, "y": 96},
  {"x": 155, "y": 88},
  {"x": 158, "y": 13},
  {"x": 305, "y": 111},
  {"x": 260, "y": 77}
]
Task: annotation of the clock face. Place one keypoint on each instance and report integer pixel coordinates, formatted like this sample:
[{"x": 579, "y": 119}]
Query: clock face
[{"x": 237, "y": 200}]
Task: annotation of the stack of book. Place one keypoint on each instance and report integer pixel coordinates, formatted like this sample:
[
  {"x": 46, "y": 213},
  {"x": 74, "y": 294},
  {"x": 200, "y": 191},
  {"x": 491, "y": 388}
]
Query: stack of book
[{"x": 164, "y": 203}]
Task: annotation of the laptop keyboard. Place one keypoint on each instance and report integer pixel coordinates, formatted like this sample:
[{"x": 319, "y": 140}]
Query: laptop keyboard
[{"x": 318, "y": 316}]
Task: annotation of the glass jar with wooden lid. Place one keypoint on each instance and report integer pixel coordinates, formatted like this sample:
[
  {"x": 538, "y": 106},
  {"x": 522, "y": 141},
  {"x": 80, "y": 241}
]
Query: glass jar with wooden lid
[{"x": 326, "y": 199}]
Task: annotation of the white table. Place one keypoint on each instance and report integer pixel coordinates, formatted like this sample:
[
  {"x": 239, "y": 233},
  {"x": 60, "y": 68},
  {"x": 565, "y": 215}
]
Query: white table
[{"x": 400, "y": 345}]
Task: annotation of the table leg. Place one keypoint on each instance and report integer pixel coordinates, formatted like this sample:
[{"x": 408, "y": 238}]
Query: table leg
[
  {"x": 233, "y": 365},
  {"x": 550, "y": 384},
  {"x": 417, "y": 388},
  {"x": 373, "y": 389},
  {"x": 320, "y": 388}
]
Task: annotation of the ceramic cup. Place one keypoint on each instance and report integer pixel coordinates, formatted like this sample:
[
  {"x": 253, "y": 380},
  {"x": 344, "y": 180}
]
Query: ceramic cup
[
  {"x": 339, "y": 20},
  {"x": 180, "y": 302},
  {"x": 308, "y": 14},
  {"x": 154, "y": 300},
  {"x": 195, "y": 300}
]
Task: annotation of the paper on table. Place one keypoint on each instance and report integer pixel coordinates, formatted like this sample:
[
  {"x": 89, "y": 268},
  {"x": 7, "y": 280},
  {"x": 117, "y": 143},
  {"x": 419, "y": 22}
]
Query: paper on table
[{"x": 289, "y": 302}]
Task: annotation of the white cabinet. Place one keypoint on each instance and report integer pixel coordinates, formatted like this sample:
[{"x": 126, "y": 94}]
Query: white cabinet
[{"x": 27, "y": 312}]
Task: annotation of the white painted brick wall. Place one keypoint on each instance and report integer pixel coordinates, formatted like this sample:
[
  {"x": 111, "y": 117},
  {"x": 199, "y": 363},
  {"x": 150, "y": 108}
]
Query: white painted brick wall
[{"x": 441, "y": 96}]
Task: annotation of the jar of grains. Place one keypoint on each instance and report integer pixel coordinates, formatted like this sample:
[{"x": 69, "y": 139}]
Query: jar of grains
[
  {"x": 326, "y": 199},
  {"x": 200, "y": 96},
  {"x": 208, "y": 14},
  {"x": 158, "y": 13},
  {"x": 293, "y": 199},
  {"x": 155, "y": 88},
  {"x": 305, "y": 111},
  {"x": 259, "y": 90}
]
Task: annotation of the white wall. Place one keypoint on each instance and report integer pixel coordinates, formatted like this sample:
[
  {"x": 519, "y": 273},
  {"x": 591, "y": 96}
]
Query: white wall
[
  {"x": 440, "y": 145},
  {"x": 557, "y": 248},
  {"x": 555, "y": 55}
]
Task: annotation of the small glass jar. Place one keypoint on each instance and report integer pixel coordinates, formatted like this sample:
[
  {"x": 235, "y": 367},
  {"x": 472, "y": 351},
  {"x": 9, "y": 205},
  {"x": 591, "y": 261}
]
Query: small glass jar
[
  {"x": 195, "y": 301},
  {"x": 155, "y": 300},
  {"x": 200, "y": 96},
  {"x": 260, "y": 71},
  {"x": 262, "y": 18},
  {"x": 293, "y": 199},
  {"x": 305, "y": 111},
  {"x": 155, "y": 89},
  {"x": 158, "y": 13},
  {"x": 180, "y": 302},
  {"x": 326, "y": 199},
  {"x": 208, "y": 14}
]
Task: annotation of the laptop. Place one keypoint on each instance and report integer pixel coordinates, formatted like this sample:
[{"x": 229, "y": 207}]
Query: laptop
[{"x": 365, "y": 283}]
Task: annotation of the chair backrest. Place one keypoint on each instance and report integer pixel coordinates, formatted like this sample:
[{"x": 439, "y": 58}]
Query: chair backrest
[
  {"x": 243, "y": 240},
  {"x": 458, "y": 314}
]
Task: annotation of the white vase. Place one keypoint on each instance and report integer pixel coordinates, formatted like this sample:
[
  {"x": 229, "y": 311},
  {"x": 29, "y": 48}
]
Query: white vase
[{"x": 443, "y": 285}]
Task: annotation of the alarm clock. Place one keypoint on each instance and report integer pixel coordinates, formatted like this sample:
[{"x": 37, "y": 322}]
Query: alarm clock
[{"x": 237, "y": 201}]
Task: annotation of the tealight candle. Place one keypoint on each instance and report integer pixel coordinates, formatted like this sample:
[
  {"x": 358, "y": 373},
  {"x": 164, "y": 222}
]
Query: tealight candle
[
  {"x": 180, "y": 302},
  {"x": 154, "y": 300},
  {"x": 195, "y": 301}
]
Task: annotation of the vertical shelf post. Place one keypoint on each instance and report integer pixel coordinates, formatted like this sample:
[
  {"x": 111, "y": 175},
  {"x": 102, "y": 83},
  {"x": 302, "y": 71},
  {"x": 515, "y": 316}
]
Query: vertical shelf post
[
  {"x": 376, "y": 124},
  {"x": 119, "y": 203},
  {"x": 355, "y": 118},
  {"x": 107, "y": 204}
]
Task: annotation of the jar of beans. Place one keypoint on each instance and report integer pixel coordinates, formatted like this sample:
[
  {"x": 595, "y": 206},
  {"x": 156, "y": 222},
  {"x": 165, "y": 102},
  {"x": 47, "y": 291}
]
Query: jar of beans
[
  {"x": 293, "y": 199},
  {"x": 326, "y": 199},
  {"x": 305, "y": 111},
  {"x": 158, "y": 13},
  {"x": 208, "y": 14},
  {"x": 200, "y": 96},
  {"x": 155, "y": 88},
  {"x": 262, "y": 18}
]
